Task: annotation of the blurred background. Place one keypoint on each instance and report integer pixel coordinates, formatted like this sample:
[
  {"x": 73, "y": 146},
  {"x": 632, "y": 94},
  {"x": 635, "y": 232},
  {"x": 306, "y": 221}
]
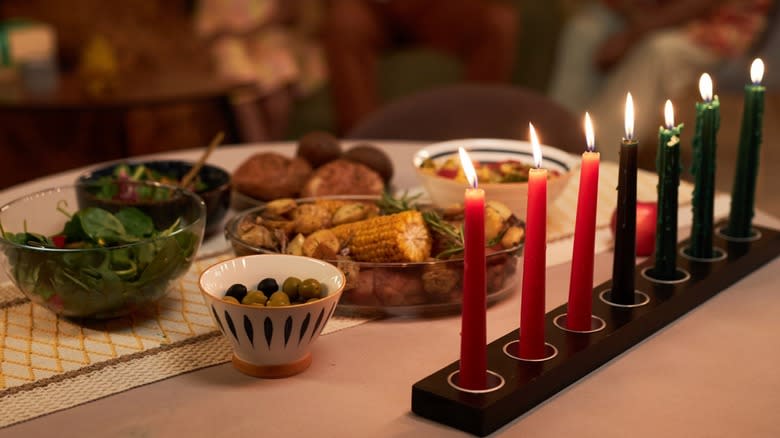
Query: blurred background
[{"x": 85, "y": 81}]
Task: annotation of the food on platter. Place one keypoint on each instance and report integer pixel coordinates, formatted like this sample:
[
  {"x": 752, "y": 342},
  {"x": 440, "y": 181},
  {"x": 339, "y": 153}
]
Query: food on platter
[
  {"x": 320, "y": 167},
  {"x": 343, "y": 177},
  {"x": 504, "y": 171},
  {"x": 393, "y": 251},
  {"x": 504, "y": 180},
  {"x": 318, "y": 148},
  {"x": 269, "y": 175},
  {"x": 372, "y": 157}
]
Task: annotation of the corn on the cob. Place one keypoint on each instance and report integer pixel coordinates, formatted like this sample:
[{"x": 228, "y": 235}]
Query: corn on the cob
[{"x": 400, "y": 237}]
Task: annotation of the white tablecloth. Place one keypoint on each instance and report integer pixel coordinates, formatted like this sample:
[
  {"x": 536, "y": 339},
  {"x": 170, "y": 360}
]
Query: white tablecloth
[{"x": 712, "y": 373}]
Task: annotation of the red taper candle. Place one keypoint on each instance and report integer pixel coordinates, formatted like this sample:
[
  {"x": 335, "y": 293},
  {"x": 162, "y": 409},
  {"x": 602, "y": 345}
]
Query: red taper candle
[
  {"x": 531, "y": 344},
  {"x": 473, "y": 331},
  {"x": 578, "y": 316}
]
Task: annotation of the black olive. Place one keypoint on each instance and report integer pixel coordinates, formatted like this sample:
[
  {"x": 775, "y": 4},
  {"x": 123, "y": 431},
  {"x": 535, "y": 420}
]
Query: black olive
[
  {"x": 268, "y": 286},
  {"x": 237, "y": 291}
]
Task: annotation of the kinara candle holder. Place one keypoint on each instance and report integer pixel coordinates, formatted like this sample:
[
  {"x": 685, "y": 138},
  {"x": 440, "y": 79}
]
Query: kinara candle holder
[{"x": 529, "y": 383}]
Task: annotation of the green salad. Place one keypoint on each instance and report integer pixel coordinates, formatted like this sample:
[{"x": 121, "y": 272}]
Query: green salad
[
  {"x": 101, "y": 263},
  {"x": 113, "y": 186}
]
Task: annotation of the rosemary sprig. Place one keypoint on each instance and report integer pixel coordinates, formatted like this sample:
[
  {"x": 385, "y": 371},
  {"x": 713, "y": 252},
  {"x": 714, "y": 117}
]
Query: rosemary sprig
[
  {"x": 388, "y": 204},
  {"x": 453, "y": 236}
]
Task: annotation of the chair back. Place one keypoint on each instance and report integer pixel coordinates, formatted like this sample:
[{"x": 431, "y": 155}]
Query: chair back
[{"x": 473, "y": 111}]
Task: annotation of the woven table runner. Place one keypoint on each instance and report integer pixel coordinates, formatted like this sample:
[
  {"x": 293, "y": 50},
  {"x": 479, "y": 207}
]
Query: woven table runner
[{"x": 48, "y": 363}]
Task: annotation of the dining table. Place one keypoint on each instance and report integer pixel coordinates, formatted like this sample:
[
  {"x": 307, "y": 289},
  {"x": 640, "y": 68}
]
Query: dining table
[{"x": 713, "y": 372}]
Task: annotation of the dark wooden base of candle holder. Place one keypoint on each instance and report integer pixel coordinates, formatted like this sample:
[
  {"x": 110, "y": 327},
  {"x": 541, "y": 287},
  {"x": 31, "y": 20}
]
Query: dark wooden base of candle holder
[{"x": 528, "y": 384}]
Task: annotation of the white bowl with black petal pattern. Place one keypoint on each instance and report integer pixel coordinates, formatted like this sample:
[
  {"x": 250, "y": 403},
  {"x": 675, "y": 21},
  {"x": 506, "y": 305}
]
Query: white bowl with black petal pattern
[{"x": 271, "y": 341}]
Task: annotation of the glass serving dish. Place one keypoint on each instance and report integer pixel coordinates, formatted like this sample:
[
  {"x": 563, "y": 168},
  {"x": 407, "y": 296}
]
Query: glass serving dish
[
  {"x": 427, "y": 288},
  {"x": 47, "y": 249}
]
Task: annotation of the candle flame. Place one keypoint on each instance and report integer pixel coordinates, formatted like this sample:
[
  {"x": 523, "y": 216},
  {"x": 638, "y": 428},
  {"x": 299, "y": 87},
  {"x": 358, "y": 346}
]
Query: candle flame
[
  {"x": 468, "y": 167},
  {"x": 629, "y": 121},
  {"x": 590, "y": 138},
  {"x": 535, "y": 146},
  {"x": 757, "y": 71},
  {"x": 669, "y": 114},
  {"x": 705, "y": 87}
]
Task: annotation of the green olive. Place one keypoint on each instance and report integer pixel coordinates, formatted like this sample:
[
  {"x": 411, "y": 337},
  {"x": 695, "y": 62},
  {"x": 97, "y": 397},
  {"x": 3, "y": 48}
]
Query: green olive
[
  {"x": 255, "y": 297},
  {"x": 290, "y": 287},
  {"x": 311, "y": 300},
  {"x": 278, "y": 299},
  {"x": 229, "y": 299},
  {"x": 310, "y": 288}
]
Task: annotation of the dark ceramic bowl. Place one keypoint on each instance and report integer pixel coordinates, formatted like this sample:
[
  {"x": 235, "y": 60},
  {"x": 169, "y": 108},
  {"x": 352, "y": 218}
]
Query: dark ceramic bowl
[{"x": 215, "y": 193}]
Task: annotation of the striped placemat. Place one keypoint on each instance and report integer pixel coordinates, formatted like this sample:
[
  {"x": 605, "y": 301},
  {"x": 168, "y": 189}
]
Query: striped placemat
[{"x": 48, "y": 363}]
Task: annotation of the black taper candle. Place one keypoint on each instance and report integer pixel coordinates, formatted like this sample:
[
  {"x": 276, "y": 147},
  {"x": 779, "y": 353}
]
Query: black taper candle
[{"x": 625, "y": 224}]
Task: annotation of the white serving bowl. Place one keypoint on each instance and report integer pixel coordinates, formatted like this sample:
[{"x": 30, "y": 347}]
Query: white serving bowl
[
  {"x": 446, "y": 191},
  {"x": 271, "y": 341}
]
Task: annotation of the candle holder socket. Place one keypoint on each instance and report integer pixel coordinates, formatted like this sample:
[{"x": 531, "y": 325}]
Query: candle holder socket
[
  {"x": 640, "y": 299},
  {"x": 681, "y": 276},
  {"x": 596, "y": 324},
  {"x": 755, "y": 234},
  {"x": 718, "y": 254}
]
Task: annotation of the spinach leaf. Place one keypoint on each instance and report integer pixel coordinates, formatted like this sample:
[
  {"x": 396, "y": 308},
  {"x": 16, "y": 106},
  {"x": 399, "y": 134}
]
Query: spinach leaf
[
  {"x": 73, "y": 230},
  {"x": 103, "y": 227},
  {"x": 136, "y": 222}
]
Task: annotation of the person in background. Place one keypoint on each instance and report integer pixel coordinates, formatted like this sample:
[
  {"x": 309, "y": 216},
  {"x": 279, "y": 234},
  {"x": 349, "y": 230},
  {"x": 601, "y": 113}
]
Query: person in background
[
  {"x": 268, "y": 43},
  {"x": 482, "y": 34},
  {"x": 655, "y": 49}
]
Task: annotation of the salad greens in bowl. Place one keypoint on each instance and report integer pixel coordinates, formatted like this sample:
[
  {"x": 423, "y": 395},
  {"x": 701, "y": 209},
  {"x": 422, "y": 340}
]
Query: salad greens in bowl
[
  {"x": 211, "y": 183},
  {"x": 84, "y": 260}
]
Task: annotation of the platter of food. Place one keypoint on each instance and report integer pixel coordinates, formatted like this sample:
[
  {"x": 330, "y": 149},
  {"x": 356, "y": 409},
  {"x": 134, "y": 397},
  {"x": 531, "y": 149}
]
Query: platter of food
[
  {"x": 400, "y": 256},
  {"x": 321, "y": 166}
]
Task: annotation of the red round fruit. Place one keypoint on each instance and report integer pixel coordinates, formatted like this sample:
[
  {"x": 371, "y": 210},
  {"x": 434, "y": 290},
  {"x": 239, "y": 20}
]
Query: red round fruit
[{"x": 646, "y": 214}]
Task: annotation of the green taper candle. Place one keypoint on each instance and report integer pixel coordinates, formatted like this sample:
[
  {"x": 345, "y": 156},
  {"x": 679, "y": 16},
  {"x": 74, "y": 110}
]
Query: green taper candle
[
  {"x": 668, "y": 167},
  {"x": 703, "y": 169},
  {"x": 743, "y": 192}
]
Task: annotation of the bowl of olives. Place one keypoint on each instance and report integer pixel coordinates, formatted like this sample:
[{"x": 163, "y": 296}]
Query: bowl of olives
[{"x": 272, "y": 308}]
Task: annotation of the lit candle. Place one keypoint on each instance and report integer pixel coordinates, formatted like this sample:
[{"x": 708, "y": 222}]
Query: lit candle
[
  {"x": 581, "y": 282},
  {"x": 531, "y": 345},
  {"x": 668, "y": 166},
  {"x": 703, "y": 169},
  {"x": 744, "y": 189},
  {"x": 625, "y": 226},
  {"x": 473, "y": 332}
]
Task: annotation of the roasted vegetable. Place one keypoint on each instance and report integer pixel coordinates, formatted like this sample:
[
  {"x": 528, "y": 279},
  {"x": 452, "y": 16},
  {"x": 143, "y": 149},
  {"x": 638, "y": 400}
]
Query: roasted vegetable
[{"x": 401, "y": 237}]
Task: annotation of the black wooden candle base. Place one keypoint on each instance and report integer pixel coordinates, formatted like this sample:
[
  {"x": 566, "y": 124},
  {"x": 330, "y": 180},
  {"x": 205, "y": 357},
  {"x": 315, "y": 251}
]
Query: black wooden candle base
[{"x": 529, "y": 383}]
